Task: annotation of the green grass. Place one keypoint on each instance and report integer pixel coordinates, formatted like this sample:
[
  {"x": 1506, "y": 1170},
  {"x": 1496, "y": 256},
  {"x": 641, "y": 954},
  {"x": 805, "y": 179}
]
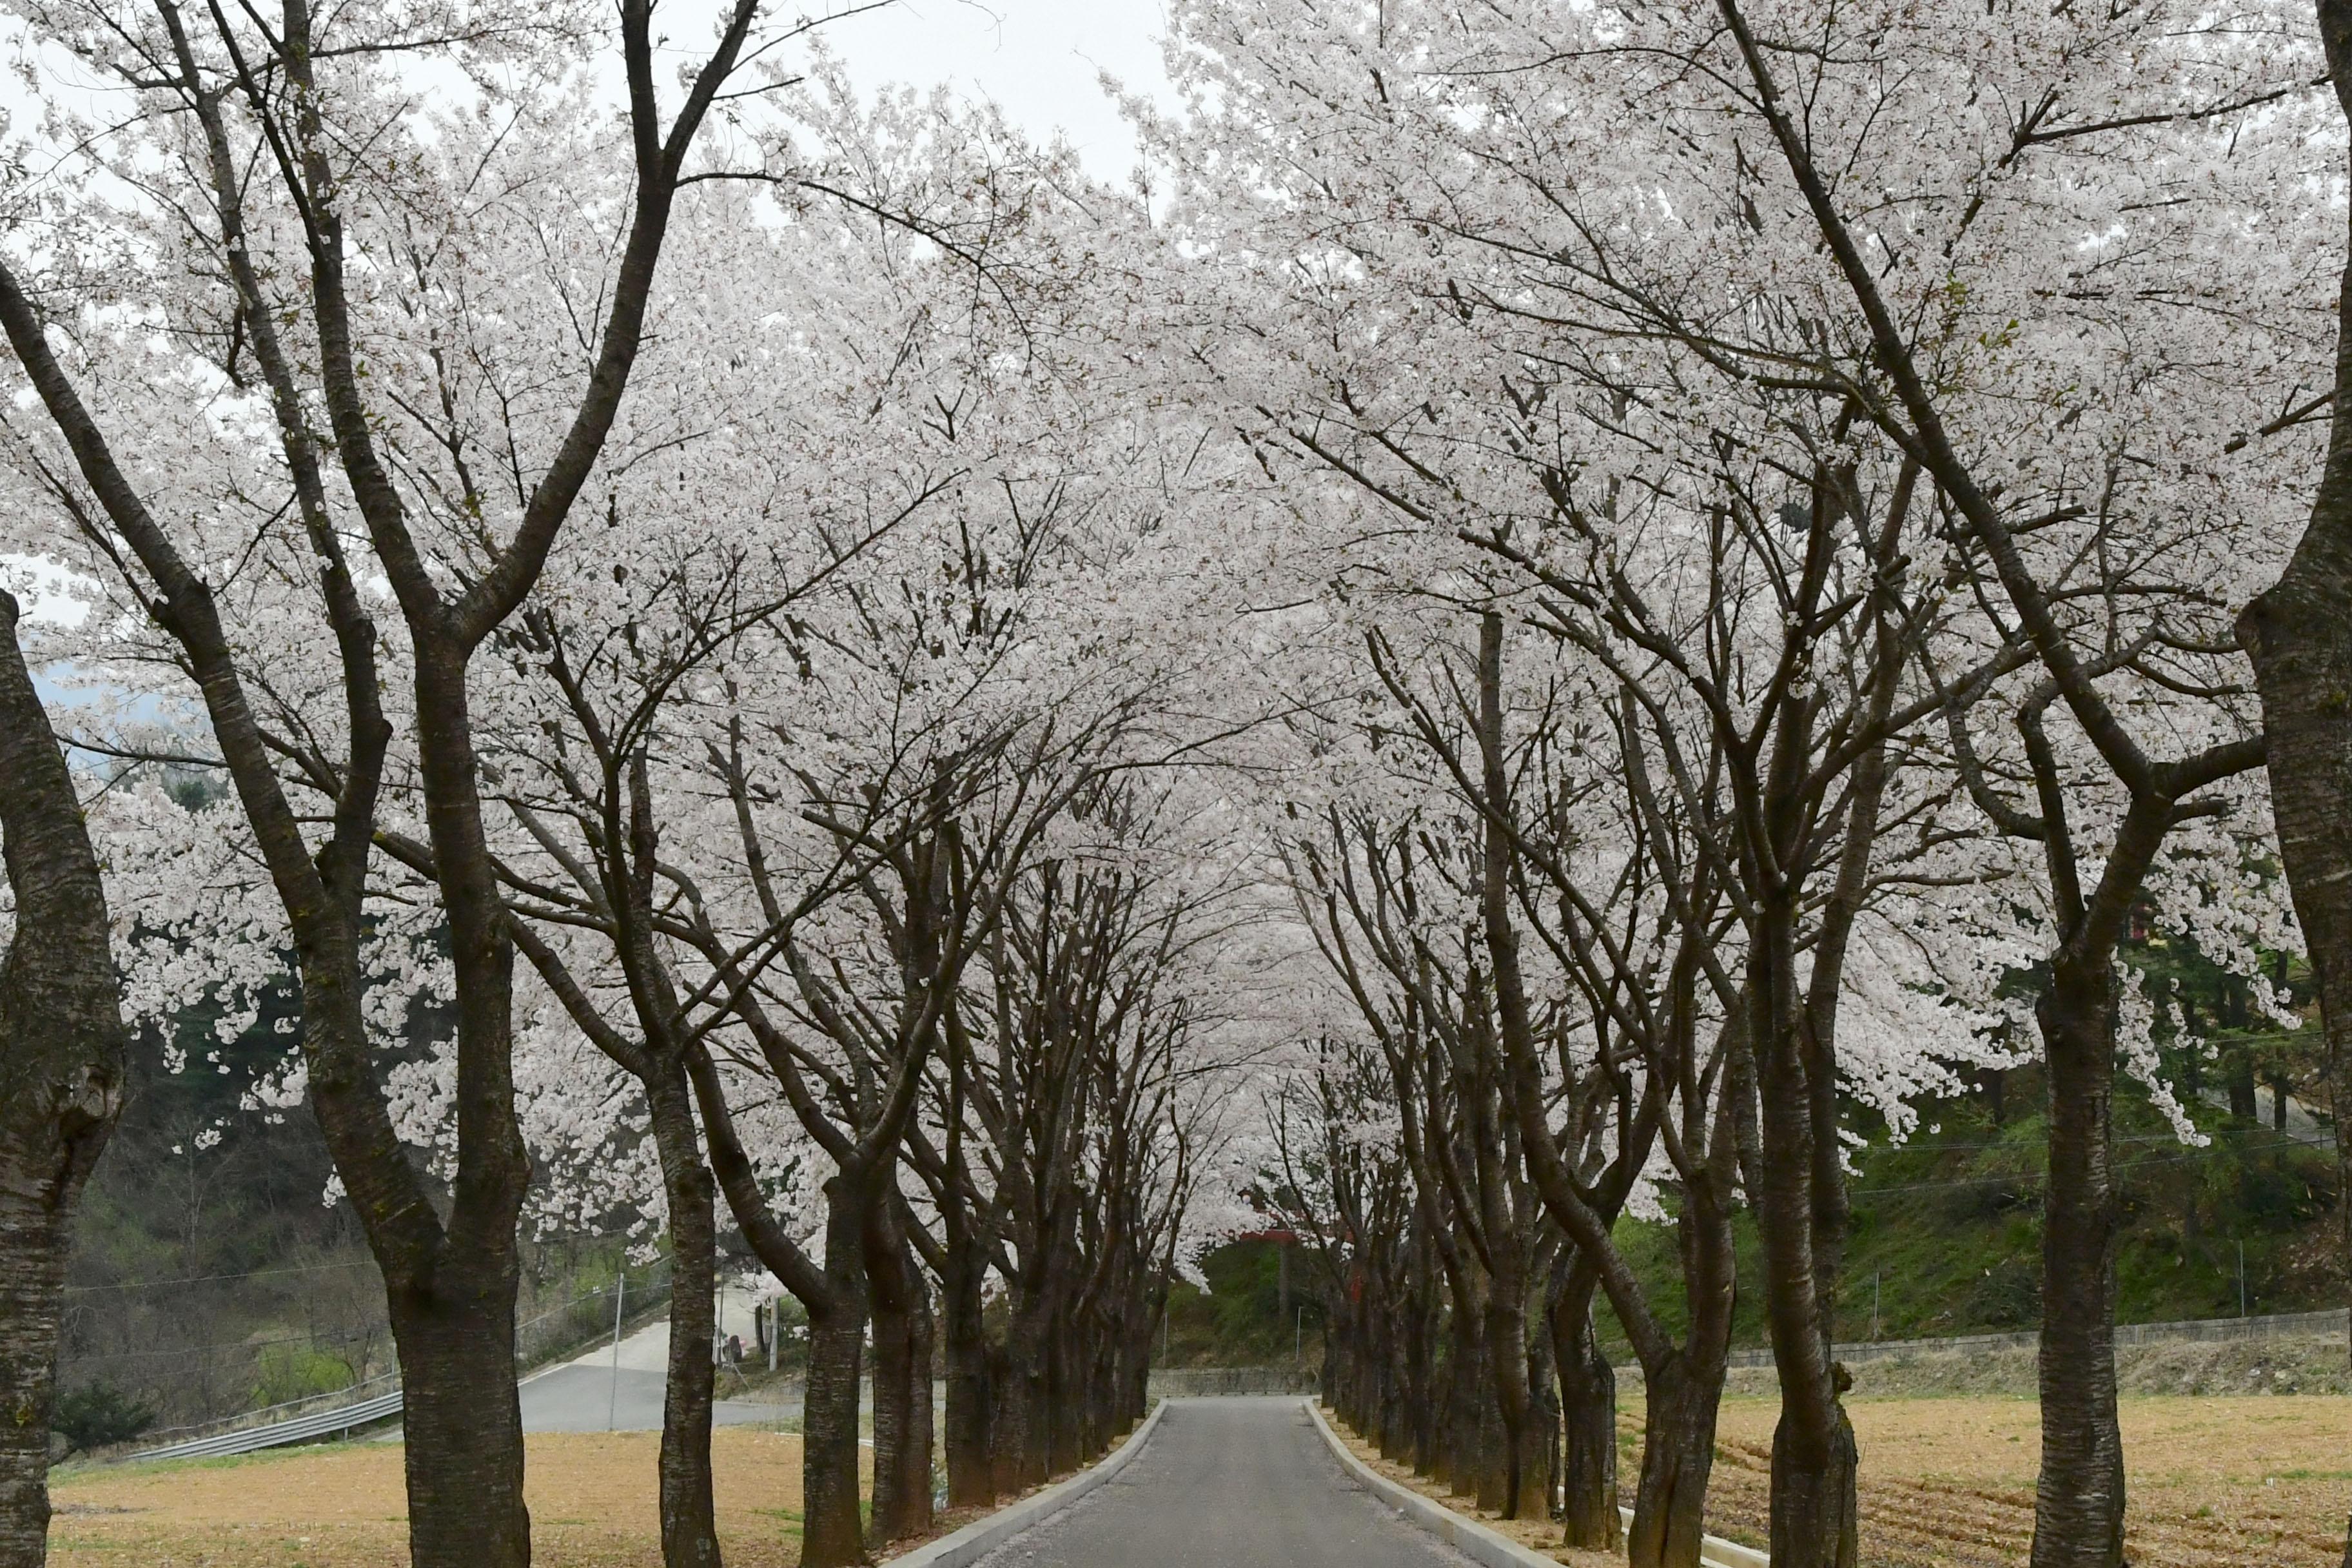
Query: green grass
[{"x": 1950, "y": 1226}]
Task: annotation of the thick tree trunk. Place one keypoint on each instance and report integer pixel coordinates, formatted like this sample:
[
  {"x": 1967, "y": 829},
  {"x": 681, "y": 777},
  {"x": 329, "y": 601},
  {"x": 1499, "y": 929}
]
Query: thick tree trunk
[
  {"x": 1065, "y": 1406},
  {"x": 1420, "y": 1359},
  {"x": 62, "y": 1047},
  {"x": 465, "y": 1451},
  {"x": 2300, "y": 637},
  {"x": 2078, "y": 1506},
  {"x": 1814, "y": 1496},
  {"x": 1543, "y": 1405},
  {"x": 893, "y": 1413},
  {"x": 1588, "y": 1397},
  {"x": 462, "y": 1421},
  {"x": 902, "y": 1381},
  {"x": 972, "y": 1471},
  {"x": 2245, "y": 1106},
  {"x": 1461, "y": 1457},
  {"x": 922, "y": 1339},
  {"x": 1518, "y": 1453},
  {"x": 1022, "y": 1443},
  {"x": 832, "y": 1531},
  {"x": 1677, "y": 1459},
  {"x": 690, "y": 1529},
  {"x": 1789, "y": 1155},
  {"x": 1682, "y": 1393}
]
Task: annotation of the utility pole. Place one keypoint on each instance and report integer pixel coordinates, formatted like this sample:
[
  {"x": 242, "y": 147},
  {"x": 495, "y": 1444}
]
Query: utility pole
[
  {"x": 2242, "y": 1278},
  {"x": 613, "y": 1402},
  {"x": 1298, "y": 1336}
]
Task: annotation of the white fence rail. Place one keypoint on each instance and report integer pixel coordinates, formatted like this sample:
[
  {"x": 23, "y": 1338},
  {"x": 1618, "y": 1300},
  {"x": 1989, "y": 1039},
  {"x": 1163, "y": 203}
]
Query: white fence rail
[{"x": 339, "y": 1421}]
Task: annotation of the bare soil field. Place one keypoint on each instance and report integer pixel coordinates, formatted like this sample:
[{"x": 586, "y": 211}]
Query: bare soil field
[
  {"x": 2216, "y": 1482},
  {"x": 1949, "y": 1483},
  {"x": 592, "y": 1498},
  {"x": 1541, "y": 1535}
]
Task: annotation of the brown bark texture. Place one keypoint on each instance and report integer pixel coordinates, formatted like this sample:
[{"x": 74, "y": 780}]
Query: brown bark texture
[
  {"x": 2299, "y": 634},
  {"x": 62, "y": 1061}
]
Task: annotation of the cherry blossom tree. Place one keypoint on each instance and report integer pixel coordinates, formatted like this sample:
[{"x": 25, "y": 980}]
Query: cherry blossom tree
[{"x": 280, "y": 209}]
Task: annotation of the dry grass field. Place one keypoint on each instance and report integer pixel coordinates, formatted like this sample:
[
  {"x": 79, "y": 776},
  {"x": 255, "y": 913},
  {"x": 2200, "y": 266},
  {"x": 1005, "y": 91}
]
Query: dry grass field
[
  {"x": 2216, "y": 1482},
  {"x": 592, "y": 1500}
]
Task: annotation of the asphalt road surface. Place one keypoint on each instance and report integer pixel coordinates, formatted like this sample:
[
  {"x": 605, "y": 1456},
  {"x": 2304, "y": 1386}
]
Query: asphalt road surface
[
  {"x": 589, "y": 1396},
  {"x": 1228, "y": 1483},
  {"x": 578, "y": 1398}
]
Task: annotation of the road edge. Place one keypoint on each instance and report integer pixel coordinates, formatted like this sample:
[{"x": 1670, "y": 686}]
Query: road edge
[
  {"x": 982, "y": 1536},
  {"x": 1490, "y": 1549}
]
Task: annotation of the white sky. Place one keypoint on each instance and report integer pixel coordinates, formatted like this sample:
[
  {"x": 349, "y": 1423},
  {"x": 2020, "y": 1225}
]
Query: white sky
[{"x": 1039, "y": 59}]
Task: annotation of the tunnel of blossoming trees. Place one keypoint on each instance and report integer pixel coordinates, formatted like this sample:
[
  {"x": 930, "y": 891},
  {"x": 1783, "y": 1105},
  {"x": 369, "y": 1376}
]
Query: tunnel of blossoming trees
[{"x": 1556, "y": 627}]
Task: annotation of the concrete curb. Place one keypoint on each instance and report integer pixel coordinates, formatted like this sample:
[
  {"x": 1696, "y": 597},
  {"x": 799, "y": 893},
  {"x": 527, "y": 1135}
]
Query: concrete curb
[
  {"x": 982, "y": 1536},
  {"x": 1488, "y": 1548}
]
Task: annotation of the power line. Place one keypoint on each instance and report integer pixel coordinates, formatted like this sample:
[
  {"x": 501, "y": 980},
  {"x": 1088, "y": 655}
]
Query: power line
[
  {"x": 353, "y": 1336},
  {"x": 209, "y": 1278},
  {"x": 2020, "y": 1178}
]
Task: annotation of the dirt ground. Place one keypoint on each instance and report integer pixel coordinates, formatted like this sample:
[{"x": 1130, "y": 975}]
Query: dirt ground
[
  {"x": 1949, "y": 1483},
  {"x": 591, "y": 1497},
  {"x": 2215, "y": 1482},
  {"x": 1540, "y": 1535}
]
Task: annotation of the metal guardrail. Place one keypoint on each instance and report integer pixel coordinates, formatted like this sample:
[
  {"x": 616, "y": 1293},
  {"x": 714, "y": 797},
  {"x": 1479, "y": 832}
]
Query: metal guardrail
[{"x": 341, "y": 1421}]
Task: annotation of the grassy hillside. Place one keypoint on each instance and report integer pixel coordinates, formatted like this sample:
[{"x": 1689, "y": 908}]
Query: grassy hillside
[
  {"x": 1247, "y": 1317},
  {"x": 1948, "y": 1228}
]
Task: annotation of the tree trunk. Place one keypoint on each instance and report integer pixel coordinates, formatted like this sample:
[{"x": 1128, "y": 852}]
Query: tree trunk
[
  {"x": 2245, "y": 1106},
  {"x": 1678, "y": 1458},
  {"x": 1063, "y": 1405},
  {"x": 971, "y": 1476},
  {"x": 1518, "y": 1450},
  {"x": 465, "y": 1451},
  {"x": 922, "y": 1339},
  {"x": 1813, "y": 1499},
  {"x": 893, "y": 1402},
  {"x": 902, "y": 1380},
  {"x": 1588, "y": 1397},
  {"x": 1789, "y": 1156},
  {"x": 690, "y": 1529},
  {"x": 832, "y": 1532},
  {"x": 1022, "y": 1441},
  {"x": 462, "y": 1421},
  {"x": 2078, "y": 1506},
  {"x": 1684, "y": 1390},
  {"x": 62, "y": 1049}
]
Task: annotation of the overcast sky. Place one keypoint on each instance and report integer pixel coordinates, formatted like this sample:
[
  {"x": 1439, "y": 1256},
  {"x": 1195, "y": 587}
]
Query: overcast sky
[{"x": 1041, "y": 59}]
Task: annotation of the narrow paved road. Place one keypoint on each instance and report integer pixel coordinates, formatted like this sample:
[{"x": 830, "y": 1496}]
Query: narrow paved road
[
  {"x": 1228, "y": 1483},
  {"x": 589, "y": 1394}
]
